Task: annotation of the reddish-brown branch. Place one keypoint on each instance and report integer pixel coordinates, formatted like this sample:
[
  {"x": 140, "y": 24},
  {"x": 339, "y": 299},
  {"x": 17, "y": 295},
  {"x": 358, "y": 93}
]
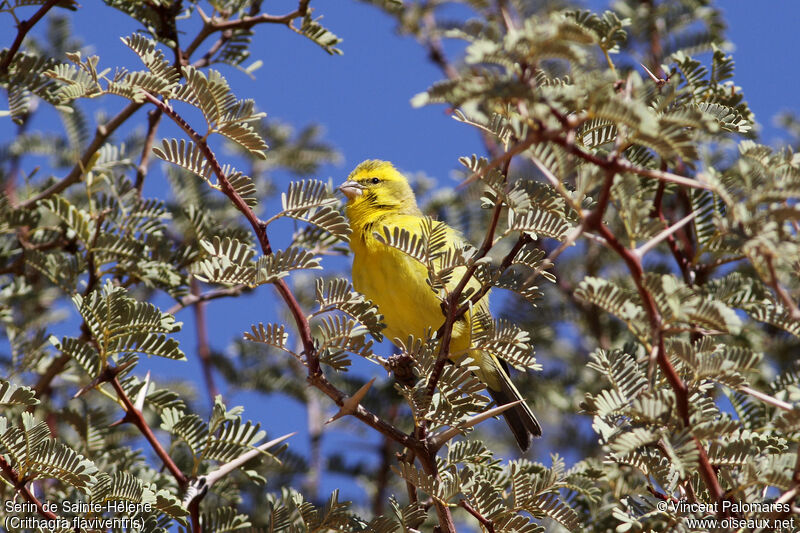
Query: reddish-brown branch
[
  {"x": 680, "y": 258},
  {"x": 315, "y": 375},
  {"x": 203, "y": 349},
  {"x": 21, "y": 487},
  {"x": 134, "y": 416},
  {"x": 523, "y": 239},
  {"x": 194, "y": 515},
  {"x": 193, "y": 299},
  {"x": 679, "y": 387},
  {"x": 211, "y": 25},
  {"x": 22, "y": 30},
  {"x": 783, "y": 295},
  {"x": 102, "y": 134},
  {"x": 428, "y": 461},
  {"x": 450, "y": 305},
  {"x": 485, "y": 522},
  {"x": 153, "y": 119},
  {"x": 617, "y": 164}
]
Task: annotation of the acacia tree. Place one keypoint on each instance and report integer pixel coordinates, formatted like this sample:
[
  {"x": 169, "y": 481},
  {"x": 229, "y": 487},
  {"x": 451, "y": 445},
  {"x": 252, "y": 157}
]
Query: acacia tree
[{"x": 621, "y": 174}]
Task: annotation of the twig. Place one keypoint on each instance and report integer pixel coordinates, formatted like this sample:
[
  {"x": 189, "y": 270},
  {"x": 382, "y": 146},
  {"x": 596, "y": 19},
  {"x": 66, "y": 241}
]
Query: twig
[
  {"x": 211, "y": 25},
  {"x": 203, "y": 349},
  {"x": 450, "y": 304},
  {"x": 22, "y": 30},
  {"x": 621, "y": 165},
  {"x": 315, "y": 375},
  {"x": 21, "y": 487},
  {"x": 784, "y": 296},
  {"x": 485, "y": 522},
  {"x": 134, "y": 416},
  {"x": 652, "y": 243},
  {"x": 523, "y": 239},
  {"x": 103, "y": 132},
  {"x": 153, "y": 118},
  {"x": 569, "y": 240},
  {"x": 193, "y": 299},
  {"x": 446, "y": 524},
  {"x": 680, "y": 256}
]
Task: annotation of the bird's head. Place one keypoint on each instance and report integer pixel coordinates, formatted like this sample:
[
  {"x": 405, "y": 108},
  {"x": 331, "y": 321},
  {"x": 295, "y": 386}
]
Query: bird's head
[{"x": 376, "y": 188}]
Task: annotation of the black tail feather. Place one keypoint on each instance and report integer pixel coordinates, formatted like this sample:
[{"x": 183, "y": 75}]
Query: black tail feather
[{"x": 519, "y": 418}]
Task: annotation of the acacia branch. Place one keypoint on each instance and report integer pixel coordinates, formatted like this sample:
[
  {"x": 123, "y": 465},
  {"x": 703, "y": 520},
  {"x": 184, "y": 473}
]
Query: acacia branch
[
  {"x": 428, "y": 462},
  {"x": 103, "y": 132},
  {"x": 681, "y": 258},
  {"x": 450, "y": 305},
  {"x": 153, "y": 119},
  {"x": 633, "y": 261},
  {"x": 485, "y": 522},
  {"x": 622, "y": 165},
  {"x": 523, "y": 239},
  {"x": 22, "y": 30},
  {"x": 203, "y": 348},
  {"x": 134, "y": 416},
  {"x": 212, "y": 25},
  {"x": 22, "y": 488},
  {"x": 315, "y": 375},
  {"x": 193, "y": 299}
]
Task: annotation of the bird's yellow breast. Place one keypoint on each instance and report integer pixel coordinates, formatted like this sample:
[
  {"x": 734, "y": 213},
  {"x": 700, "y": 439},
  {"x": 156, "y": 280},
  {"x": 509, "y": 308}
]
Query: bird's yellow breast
[{"x": 397, "y": 284}]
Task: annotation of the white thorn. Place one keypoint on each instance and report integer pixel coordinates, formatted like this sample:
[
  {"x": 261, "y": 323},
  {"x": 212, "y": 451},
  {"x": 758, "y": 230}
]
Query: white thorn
[
  {"x": 438, "y": 440},
  {"x": 229, "y": 467},
  {"x": 652, "y": 243},
  {"x": 139, "y": 403},
  {"x": 351, "y": 403}
]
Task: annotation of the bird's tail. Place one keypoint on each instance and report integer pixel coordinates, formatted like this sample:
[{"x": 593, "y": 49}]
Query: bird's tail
[{"x": 519, "y": 418}]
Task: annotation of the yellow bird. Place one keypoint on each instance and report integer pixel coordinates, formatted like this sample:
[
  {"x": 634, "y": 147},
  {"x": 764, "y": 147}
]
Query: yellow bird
[{"x": 379, "y": 196}]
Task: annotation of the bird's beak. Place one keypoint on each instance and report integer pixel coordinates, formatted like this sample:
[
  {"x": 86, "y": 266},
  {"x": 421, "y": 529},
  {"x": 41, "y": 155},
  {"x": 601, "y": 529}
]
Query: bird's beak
[{"x": 351, "y": 189}]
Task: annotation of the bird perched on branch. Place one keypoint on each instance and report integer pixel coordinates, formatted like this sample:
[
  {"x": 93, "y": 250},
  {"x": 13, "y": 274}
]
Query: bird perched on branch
[{"x": 378, "y": 197}]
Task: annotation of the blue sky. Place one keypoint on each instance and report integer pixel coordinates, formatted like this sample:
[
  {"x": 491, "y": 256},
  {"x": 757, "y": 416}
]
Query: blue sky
[{"x": 362, "y": 100}]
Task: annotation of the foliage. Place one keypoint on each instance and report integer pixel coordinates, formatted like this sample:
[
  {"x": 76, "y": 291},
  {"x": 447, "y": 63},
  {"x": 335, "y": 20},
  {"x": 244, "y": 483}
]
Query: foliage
[{"x": 623, "y": 194}]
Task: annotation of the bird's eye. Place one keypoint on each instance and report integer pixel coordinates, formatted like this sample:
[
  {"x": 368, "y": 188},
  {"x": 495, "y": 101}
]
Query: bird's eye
[{"x": 374, "y": 181}]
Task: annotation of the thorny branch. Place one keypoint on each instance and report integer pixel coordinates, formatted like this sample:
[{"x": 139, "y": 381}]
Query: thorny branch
[
  {"x": 22, "y": 30},
  {"x": 315, "y": 374},
  {"x": 21, "y": 487},
  {"x": 450, "y": 304},
  {"x": 153, "y": 119},
  {"x": 212, "y": 25},
  {"x": 135, "y": 417},
  {"x": 103, "y": 132},
  {"x": 485, "y": 522},
  {"x": 594, "y": 221},
  {"x": 193, "y": 299},
  {"x": 203, "y": 348}
]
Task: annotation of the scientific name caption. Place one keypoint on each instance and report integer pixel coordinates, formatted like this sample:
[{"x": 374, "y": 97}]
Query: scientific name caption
[
  {"x": 712, "y": 522},
  {"x": 85, "y": 516}
]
